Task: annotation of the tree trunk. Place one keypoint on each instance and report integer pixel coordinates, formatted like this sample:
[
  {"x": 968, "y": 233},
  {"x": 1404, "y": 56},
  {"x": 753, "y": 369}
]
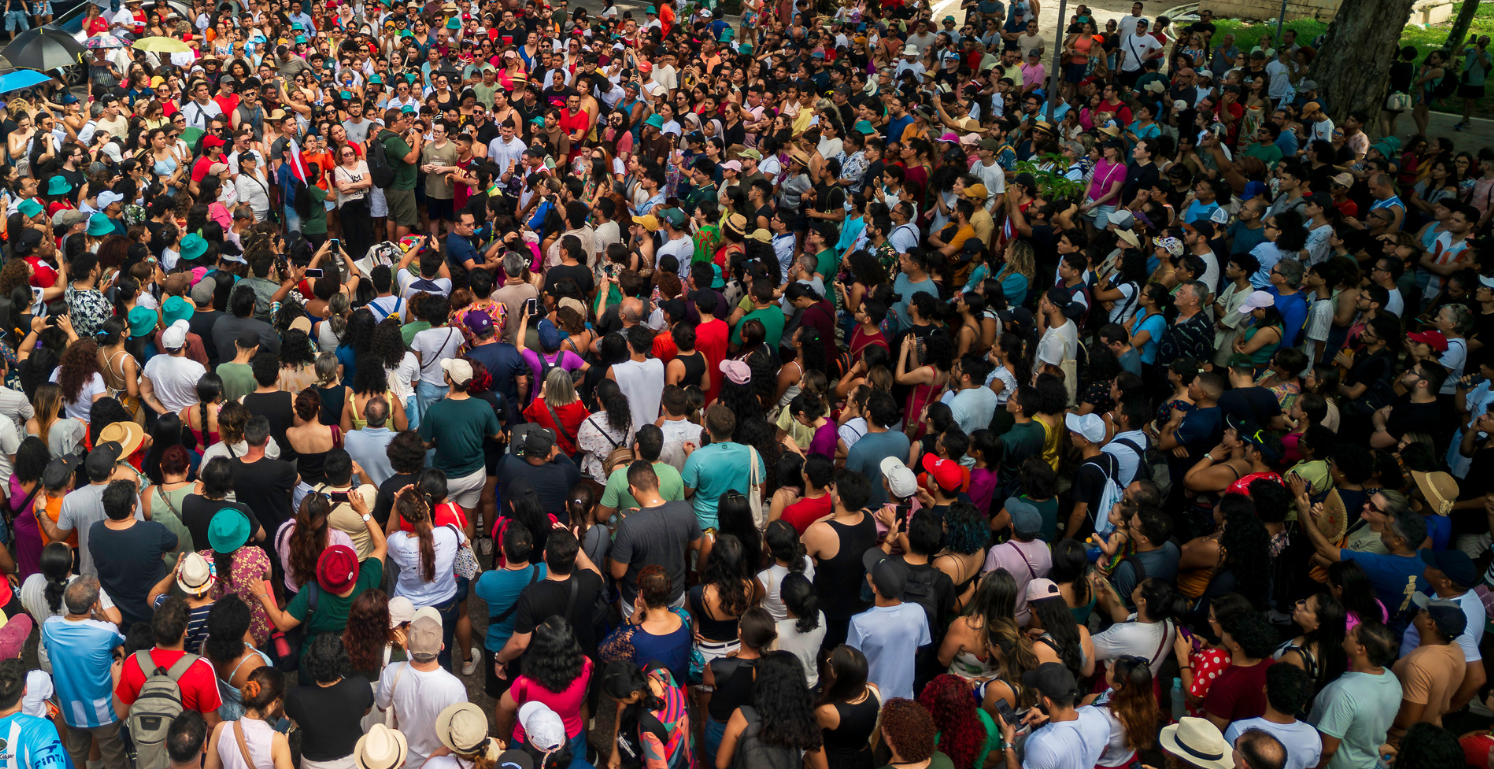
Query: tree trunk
[
  {"x": 1353, "y": 63},
  {"x": 1460, "y": 26}
]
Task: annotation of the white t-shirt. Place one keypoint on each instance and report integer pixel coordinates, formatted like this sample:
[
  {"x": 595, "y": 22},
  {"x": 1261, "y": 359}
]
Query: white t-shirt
[
  {"x": 1059, "y": 344},
  {"x": 1076, "y": 744},
  {"x": 683, "y": 250},
  {"x": 805, "y": 646},
  {"x": 80, "y": 407},
  {"x": 772, "y": 582},
  {"x": 419, "y": 700},
  {"x": 642, "y": 382},
  {"x": 1135, "y": 48},
  {"x": 1304, "y": 745},
  {"x": 1144, "y": 640},
  {"x": 174, "y": 379},
  {"x": 404, "y": 549},
  {"x": 402, "y": 378},
  {"x": 434, "y": 344}
]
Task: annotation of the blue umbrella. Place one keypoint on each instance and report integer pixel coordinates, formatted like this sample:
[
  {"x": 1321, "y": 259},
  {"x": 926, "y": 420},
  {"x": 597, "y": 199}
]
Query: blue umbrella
[{"x": 21, "y": 78}]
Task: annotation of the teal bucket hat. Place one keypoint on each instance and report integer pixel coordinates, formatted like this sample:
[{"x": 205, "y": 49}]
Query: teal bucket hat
[
  {"x": 228, "y": 530},
  {"x": 657, "y": 121},
  {"x": 174, "y": 309},
  {"x": 30, "y": 208},
  {"x": 142, "y": 321},
  {"x": 193, "y": 246},
  {"x": 99, "y": 225},
  {"x": 58, "y": 186}
]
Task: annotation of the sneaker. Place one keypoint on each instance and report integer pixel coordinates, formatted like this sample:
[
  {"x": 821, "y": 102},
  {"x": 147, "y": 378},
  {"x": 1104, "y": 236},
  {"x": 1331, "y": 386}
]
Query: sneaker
[
  {"x": 1459, "y": 126},
  {"x": 485, "y": 545},
  {"x": 470, "y": 667}
]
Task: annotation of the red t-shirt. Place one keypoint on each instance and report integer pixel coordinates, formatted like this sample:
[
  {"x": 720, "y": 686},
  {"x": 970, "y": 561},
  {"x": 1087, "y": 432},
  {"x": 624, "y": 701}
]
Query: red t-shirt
[
  {"x": 45, "y": 275},
  {"x": 199, "y": 686},
  {"x": 447, "y": 513},
  {"x": 806, "y": 511},
  {"x": 573, "y": 123},
  {"x": 1239, "y": 693},
  {"x": 711, "y": 338}
]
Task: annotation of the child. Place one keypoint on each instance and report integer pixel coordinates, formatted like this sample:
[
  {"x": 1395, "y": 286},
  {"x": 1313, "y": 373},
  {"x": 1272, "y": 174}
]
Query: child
[{"x": 986, "y": 449}]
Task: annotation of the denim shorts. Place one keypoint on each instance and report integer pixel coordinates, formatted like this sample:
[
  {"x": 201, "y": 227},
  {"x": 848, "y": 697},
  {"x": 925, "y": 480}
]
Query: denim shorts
[{"x": 16, "y": 21}]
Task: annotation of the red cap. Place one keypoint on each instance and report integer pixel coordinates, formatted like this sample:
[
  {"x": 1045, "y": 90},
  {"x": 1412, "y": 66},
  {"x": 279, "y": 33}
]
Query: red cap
[
  {"x": 945, "y": 472},
  {"x": 1433, "y": 338},
  {"x": 337, "y": 568},
  {"x": 212, "y": 141}
]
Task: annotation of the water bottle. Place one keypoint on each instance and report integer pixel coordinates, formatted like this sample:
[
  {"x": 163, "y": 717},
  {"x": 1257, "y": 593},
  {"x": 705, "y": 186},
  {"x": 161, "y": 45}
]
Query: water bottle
[
  {"x": 1179, "y": 703},
  {"x": 282, "y": 645}
]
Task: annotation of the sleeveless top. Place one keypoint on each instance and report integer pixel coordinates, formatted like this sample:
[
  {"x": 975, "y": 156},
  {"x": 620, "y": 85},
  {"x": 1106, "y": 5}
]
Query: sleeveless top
[
  {"x": 968, "y": 666},
  {"x": 1309, "y": 660},
  {"x": 733, "y": 689},
  {"x": 695, "y": 367},
  {"x": 847, "y": 746},
  {"x": 359, "y": 422},
  {"x": 258, "y": 737},
  {"x": 713, "y": 630},
  {"x": 233, "y": 703},
  {"x": 843, "y": 575}
]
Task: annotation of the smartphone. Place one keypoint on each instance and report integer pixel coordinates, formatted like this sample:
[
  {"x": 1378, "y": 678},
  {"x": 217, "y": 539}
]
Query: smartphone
[
  {"x": 531, "y": 307},
  {"x": 314, "y": 272},
  {"x": 338, "y": 496},
  {"x": 1005, "y": 711},
  {"x": 336, "y": 244},
  {"x": 901, "y": 512}
]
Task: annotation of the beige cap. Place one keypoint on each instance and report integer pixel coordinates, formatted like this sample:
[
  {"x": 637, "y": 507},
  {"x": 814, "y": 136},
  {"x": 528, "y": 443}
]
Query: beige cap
[{"x": 424, "y": 638}]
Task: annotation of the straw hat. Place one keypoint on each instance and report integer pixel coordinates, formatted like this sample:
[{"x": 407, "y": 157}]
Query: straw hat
[
  {"x": 761, "y": 235},
  {"x": 463, "y": 729},
  {"x": 195, "y": 575},
  {"x": 737, "y": 223},
  {"x": 128, "y": 435},
  {"x": 1440, "y": 489},
  {"x": 1199, "y": 743},
  {"x": 381, "y": 748},
  {"x": 799, "y": 156}
]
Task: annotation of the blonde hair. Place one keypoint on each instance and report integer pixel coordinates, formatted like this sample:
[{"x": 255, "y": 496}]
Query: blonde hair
[
  {"x": 1021, "y": 256},
  {"x": 559, "y": 391}
]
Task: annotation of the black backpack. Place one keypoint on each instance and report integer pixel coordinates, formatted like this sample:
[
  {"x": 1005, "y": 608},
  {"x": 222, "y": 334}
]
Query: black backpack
[
  {"x": 379, "y": 170},
  {"x": 923, "y": 589}
]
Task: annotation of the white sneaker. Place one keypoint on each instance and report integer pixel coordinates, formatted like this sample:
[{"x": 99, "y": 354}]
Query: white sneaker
[
  {"x": 485, "y": 545},
  {"x": 470, "y": 667}
]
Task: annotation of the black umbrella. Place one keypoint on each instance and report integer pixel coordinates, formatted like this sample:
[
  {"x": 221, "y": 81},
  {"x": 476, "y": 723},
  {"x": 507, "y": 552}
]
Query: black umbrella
[{"x": 44, "y": 48}]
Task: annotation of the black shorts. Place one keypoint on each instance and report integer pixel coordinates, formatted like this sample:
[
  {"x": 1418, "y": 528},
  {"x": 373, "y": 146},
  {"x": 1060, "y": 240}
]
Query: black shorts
[
  {"x": 441, "y": 208},
  {"x": 1470, "y": 91},
  {"x": 494, "y": 686}
]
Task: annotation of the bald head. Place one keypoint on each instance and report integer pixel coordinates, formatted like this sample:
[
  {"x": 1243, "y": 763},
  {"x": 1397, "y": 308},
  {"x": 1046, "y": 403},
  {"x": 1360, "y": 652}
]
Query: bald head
[
  {"x": 1259, "y": 749},
  {"x": 632, "y": 310}
]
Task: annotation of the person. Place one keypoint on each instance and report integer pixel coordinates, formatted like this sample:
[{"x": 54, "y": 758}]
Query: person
[
  {"x": 429, "y": 688},
  {"x": 1238, "y": 692},
  {"x": 892, "y": 631},
  {"x": 194, "y": 678},
  {"x": 129, "y": 553},
  {"x": 1288, "y": 690},
  {"x": 879, "y": 443},
  {"x": 556, "y": 674},
  {"x": 455, "y": 426},
  {"x": 658, "y": 532},
  {"x": 83, "y": 507},
  {"x": 720, "y": 467},
  {"x": 1354, "y": 713},
  {"x": 328, "y": 711},
  {"x": 664, "y": 738},
  {"x": 567, "y": 569},
  {"x": 779, "y": 724},
  {"x": 233, "y": 657},
  {"x": 426, "y": 557},
  {"x": 82, "y": 648},
  {"x": 1433, "y": 672},
  {"x": 236, "y": 743},
  {"x": 30, "y": 736},
  {"x": 500, "y": 588}
]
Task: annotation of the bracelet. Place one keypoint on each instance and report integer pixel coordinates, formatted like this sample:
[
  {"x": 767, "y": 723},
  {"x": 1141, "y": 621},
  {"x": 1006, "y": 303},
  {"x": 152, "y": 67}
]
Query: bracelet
[{"x": 1185, "y": 667}]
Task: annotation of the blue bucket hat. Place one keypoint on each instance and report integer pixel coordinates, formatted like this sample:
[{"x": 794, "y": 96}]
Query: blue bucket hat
[
  {"x": 99, "y": 225},
  {"x": 228, "y": 530},
  {"x": 30, "y": 208},
  {"x": 193, "y": 246},
  {"x": 142, "y": 320}
]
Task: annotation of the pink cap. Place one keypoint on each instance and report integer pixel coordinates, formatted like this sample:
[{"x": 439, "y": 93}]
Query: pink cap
[
  {"x": 732, "y": 165},
  {"x": 950, "y": 136}
]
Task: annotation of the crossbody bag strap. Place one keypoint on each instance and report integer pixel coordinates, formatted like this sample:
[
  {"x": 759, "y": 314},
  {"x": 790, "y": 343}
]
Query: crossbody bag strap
[
  {"x": 1030, "y": 573},
  {"x": 238, "y": 736},
  {"x": 1162, "y": 644},
  {"x": 615, "y": 444}
]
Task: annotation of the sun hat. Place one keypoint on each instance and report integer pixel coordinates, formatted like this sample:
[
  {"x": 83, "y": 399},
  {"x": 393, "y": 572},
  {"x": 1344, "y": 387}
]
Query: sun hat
[
  {"x": 337, "y": 568},
  {"x": 30, "y": 208},
  {"x": 98, "y": 224},
  {"x": 737, "y": 222},
  {"x": 900, "y": 478},
  {"x": 381, "y": 748},
  {"x": 142, "y": 320},
  {"x": 195, "y": 575},
  {"x": 1440, "y": 489},
  {"x": 129, "y": 436},
  {"x": 1197, "y": 742},
  {"x": 58, "y": 186},
  {"x": 228, "y": 530},
  {"x": 864, "y": 127},
  {"x": 1129, "y": 237},
  {"x": 193, "y": 246},
  {"x": 463, "y": 728}
]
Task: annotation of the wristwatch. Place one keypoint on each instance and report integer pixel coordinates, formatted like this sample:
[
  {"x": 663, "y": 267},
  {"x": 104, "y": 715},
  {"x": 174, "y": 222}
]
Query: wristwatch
[{"x": 367, "y": 516}]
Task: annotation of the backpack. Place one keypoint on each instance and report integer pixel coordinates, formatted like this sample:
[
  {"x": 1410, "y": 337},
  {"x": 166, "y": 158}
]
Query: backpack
[
  {"x": 1153, "y": 466},
  {"x": 753, "y": 753},
  {"x": 1452, "y": 76},
  {"x": 159, "y": 701},
  {"x": 1111, "y": 494},
  {"x": 922, "y": 589},
  {"x": 379, "y": 170}
]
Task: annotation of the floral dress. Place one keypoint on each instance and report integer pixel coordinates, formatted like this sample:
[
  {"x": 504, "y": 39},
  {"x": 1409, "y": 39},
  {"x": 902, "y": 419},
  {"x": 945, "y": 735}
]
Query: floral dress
[
  {"x": 250, "y": 565},
  {"x": 597, "y": 438}
]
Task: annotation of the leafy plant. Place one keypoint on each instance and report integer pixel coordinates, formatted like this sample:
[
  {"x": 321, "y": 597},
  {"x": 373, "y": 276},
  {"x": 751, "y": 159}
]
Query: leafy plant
[{"x": 1048, "y": 171}]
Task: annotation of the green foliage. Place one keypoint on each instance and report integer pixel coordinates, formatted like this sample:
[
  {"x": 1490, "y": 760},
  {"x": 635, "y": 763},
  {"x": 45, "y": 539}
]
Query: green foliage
[{"x": 1048, "y": 171}]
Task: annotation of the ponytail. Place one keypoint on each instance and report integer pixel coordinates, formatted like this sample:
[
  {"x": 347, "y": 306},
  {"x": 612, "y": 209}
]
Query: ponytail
[
  {"x": 413, "y": 509},
  {"x": 797, "y": 593}
]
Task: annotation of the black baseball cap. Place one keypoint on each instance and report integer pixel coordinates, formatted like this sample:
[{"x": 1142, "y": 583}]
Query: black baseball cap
[
  {"x": 889, "y": 575},
  {"x": 1455, "y": 564},
  {"x": 59, "y": 470}
]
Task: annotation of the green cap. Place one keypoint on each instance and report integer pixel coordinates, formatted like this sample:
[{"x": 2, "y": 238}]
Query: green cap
[
  {"x": 538, "y": 120},
  {"x": 674, "y": 216},
  {"x": 375, "y": 80},
  {"x": 228, "y": 530},
  {"x": 142, "y": 320},
  {"x": 655, "y": 120},
  {"x": 193, "y": 246},
  {"x": 300, "y": 38},
  {"x": 751, "y": 153},
  {"x": 175, "y": 308},
  {"x": 58, "y": 186},
  {"x": 30, "y": 208},
  {"x": 98, "y": 224},
  {"x": 346, "y": 94}
]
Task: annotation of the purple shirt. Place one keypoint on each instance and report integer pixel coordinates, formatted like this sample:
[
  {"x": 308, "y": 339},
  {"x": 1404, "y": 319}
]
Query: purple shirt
[
  {"x": 564, "y": 359},
  {"x": 824, "y": 440}
]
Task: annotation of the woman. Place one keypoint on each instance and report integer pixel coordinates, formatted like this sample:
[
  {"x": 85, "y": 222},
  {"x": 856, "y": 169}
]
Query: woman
[
  {"x": 26, "y": 492},
  {"x": 41, "y": 593},
  {"x": 427, "y": 562},
  {"x": 689, "y": 367},
  {"x": 963, "y": 651},
  {"x": 967, "y": 734},
  {"x": 238, "y": 567},
  {"x": 1060, "y": 638},
  {"x": 466, "y": 738},
  {"x": 1264, "y": 334},
  {"x": 78, "y": 375},
  {"x": 663, "y": 739},
  {"x": 1131, "y": 709},
  {"x": 655, "y": 633},
  {"x": 724, "y": 593},
  {"x": 1424, "y": 90},
  {"x": 559, "y": 409},
  {"x": 1150, "y": 633},
  {"x": 202, "y": 419},
  {"x": 910, "y": 733},
  {"x": 556, "y": 673},
  {"x": 120, "y": 368},
  {"x": 780, "y": 720},
  {"x": 847, "y": 710},
  {"x": 252, "y": 740},
  {"x": 1319, "y": 649},
  {"x": 606, "y": 430},
  {"x": 300, "y": 541},
  {"x": 789, "y": 557},
  {"x": 966, "y": 531},
  {"x": 352, "y": 182},
  {"x": 370, "y": 381},
  {"x": 731, "y": 678},
  {"x": 1204, "y": 651},
  {"x": 928, "y": 378},
  {"x": 329, "y": 711},
  {"x": 232, "y": 654},
  {"x": 1104, "y": 191},
  {"x": 163, "y": 501},
  {"x": 310, "y": 440},
  {"x": 1233, "y": 558},
  {"x": 297, "y": 359}
]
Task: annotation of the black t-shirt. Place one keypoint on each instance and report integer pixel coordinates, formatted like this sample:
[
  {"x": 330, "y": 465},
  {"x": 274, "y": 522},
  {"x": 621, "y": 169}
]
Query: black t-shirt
[
  {"x": 197, "y": 514},
  {"x": 1406, "y": 417},
  {"x": 576, "y": 272},
  {"x": 829, "y": 197},
  {"x": 548, "y": 598},
  {"x": 1256, "y": 404},
  {"x": 1089, "y": 484},
  {"x": 279, "y": 408},
  {"x": 1138, "y": 177},
  {"x": 551, "y": 481},
  {"x": 486, "y": 133},
  {"x": 329, "y": 717},
  {"x": 384, "y": 501},
  {"x": 201, "y": 322},
  {"x": 129, "y": 563},
  {"x": 1483, "y": 331},
  {"x": 265, "y": 487},
  {"x": 1374, "y": 372}
]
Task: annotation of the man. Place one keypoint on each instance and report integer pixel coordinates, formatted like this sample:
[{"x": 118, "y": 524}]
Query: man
[
  {"x": 1412, "y": 410},
  {"x": 455, "y": 427},
  {"x": 1476, "y": 67},
  {"x": 186, "y": 740},
  {"x": 973, "y": 404},
  {"x": 1354, "y": 713},
  {"x": 1433, "y": 672},
  {"x": 1096, "y": 474},
  {"x": 83, "y": 508},
  {"x": 263, "y": 483},
  {"x": 511, "y": 375},
  {"x": 570, "y": 589},
  {"x": 1450, "y": 574},
  {"x": 402, "y": 145},
  {"x": 1191, "y": 335},
  {"x": 368, "y": 446},
  {"x": 1148, "y": 530},
  {"x": 879, "y": 443},
  {"x": 126, "y": 552},
  {"x": 1247, "y": 404},
  {"x": 640, "y": 377},
  {"x": 1199, "y": 431},
  {"x": 891, "y": 631},
  {"x": 1397, "y": 574},
  {"x": 197, "y": 682},
  {"x": 723, "y": 466},
  {"x": 660, "y": 531},
  {"x": 30, "y": 741},
  {"x": 1072, "y": 738},
  {"x": 1286, "y": 280},
  {"x": 648, "y": 445},
  {"x": 1239, "y": 691},
  {"x": 1449, "y": 252},
  {"x": 438, "y": 161},
  {"x": 424, "y": 689},
  {"x": 237, "y": 374},
  {"x": 1025, "y": 557},
  {"x": 202, "y": 109},
  {"x": 1288, "y": 690},
  {"x": 1137, "y": 49},
  {"x": 241, "y": 316},
  {"x": 1382, "y": 190},
  {"x": 913, "y": 279},
  {"x": 459, "y": 247},
  {"x": 80, "y": 645},
  {"x": 538, "y": 464}
]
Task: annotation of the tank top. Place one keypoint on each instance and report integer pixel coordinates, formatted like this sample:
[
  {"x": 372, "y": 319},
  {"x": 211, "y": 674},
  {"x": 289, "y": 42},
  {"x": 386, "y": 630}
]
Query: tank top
[
  {"x": 843, "y": 575},
  {"x": 695, "y": 367},
  {"x": 713, "y": 630},
  {"x": 257, "y": 737},
  {"x": 847, "y": 745},
  {"x": 734, "y": 677}
]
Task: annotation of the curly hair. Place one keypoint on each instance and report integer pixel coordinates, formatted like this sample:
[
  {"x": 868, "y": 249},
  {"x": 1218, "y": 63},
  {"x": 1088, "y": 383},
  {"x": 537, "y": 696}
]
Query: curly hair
[
  {"x": 368, "y": 630},
  {"x": 370, "y": 378},
  {"x": 360, "y": 331},
  {"x": 1246, "y": 545},
  {"x": 783, "y": 702},
  {"x": 387, "y": 342},
  {"x": 1427, "y": 746},
  {"x": 610, "y": 397},
  {"x": 908, "y": 729},
  {"x": 227, "y": 622},
  {"x": 961, "y": 733},
  {"x": 79, "y": 364},
  {"x": 554, "y": 659},
  {"x": 308, "y": 404},
  {"x": 965, "y": 529},
  {"x": 14, "y": 275},
  {"x": 724, "y": 568},
  {"x": 296, "y": 349},
  {"x": 1133, "y": 703}
]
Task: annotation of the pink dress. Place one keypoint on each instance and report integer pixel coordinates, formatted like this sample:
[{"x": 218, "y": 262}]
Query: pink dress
[{"x": 566, "y": 704}]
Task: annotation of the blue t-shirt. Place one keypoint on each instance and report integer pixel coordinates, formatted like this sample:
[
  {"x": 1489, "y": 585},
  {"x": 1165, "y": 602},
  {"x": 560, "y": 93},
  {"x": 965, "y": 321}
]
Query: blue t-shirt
[
  {"x": 81, "y": 653},
  {"x": 1287, "y": 143},
  {"x": 501, "y": 588},
  {"x": 1156, "y": 325},
  {"x": 1200, "y": 212},
  {"x": 1200, "y": 431},
  {"x": 1293, "y": 309},
  {"x": 1395, "y": 577},
  {"x": 729, "y": 470},
  {"x": 896, "y": 126},
  {"x": 32, "y": 743},
  {"x": 906, "y": 289},
  {"x": 866, "y": 455},
  {"x": 1245, "y": 239},
  {"x": 459, "y": 249}
]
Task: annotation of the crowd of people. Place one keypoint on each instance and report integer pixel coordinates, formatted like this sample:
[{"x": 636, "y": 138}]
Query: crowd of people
[{"x": 470, "y": 385}]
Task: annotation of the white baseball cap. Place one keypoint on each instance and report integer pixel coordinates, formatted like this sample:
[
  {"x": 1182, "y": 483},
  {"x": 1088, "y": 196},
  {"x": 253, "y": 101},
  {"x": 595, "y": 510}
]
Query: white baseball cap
[
  {"x": 1091, "y": 426},
  {"x": 175, "y": 335},
  {"x": 900, "y": 480}
]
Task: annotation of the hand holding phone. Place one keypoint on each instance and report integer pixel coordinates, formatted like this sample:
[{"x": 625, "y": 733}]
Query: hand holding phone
[{"x": 313, "y": 272}]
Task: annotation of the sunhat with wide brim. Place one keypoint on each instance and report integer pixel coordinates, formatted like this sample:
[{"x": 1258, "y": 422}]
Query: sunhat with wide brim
[
  {"x": 1198, "y": 743},
  {"x": 381, "y": 748},
  {"x": 129, "y": 436}
]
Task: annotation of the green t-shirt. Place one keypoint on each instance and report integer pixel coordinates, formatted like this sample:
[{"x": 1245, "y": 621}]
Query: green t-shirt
[
  {"x": 396, "y": 149},
  {"x": 458, "y": 427},
  {"x": 1270, "y": 154},
  {"x": 408, "y": 331},
  {"x": 238, "y": 380},
  {"x": 616, "y": 495},
  {"x": 331, "y": 615},
  {"x": 772, "y": 320},
  {"x": 316, "y": 222}
]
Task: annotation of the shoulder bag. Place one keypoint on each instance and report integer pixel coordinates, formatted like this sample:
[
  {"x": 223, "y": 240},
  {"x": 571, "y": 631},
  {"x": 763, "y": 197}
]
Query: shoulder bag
[
  {"x": 619, "y": 455},
  {"x": 466, "y": 566},
  {"x": 754, "y": 494}
]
